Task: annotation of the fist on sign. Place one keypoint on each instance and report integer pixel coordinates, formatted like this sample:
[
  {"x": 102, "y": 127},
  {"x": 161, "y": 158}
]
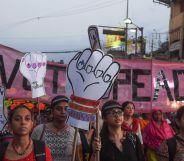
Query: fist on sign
[
  {"x": 33, "y": 67},
  {"x": 91, "y": 74}
]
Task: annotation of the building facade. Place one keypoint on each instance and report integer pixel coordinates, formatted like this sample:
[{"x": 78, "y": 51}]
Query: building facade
[{"x": 176, "y": 30}]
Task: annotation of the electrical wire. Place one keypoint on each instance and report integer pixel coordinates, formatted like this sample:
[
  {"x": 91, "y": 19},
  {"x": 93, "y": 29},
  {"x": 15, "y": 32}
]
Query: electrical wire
[
  {"x": 81, "y": 10},
  {"x": 71, "y": 11},
  {"x": 67, "y": 12},
  {"x": 84, "y": 6}
]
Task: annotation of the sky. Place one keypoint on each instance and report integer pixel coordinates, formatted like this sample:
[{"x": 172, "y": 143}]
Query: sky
[{"x": 61, "y": 25}]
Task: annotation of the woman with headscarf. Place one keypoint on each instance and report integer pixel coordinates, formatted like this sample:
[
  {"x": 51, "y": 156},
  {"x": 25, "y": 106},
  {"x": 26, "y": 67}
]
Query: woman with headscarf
[
  {"x": 155, "y": 133},
  {"x": 173, "y": 148}
]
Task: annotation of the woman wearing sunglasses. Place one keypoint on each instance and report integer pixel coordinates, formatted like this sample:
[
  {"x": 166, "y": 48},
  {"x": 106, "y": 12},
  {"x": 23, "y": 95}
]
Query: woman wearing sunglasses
[{"x": 115, "y": 143}]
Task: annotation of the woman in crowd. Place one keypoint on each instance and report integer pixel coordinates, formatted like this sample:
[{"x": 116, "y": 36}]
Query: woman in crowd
[
  {"x": 116, "y": 144},
  {"x": 155, "y": 133},
  {"x": 57, "y": 134},
  {"x": 144, "y": 120},
  {"x": 87, "y": 137},
  {"x": 130, "y": 123},
  {"x": 173, "y": 149},
  {"x": 22, "y": 147}
]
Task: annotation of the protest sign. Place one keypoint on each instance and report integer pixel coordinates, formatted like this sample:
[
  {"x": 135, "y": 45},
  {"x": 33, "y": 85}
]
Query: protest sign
[
  {"x": 33, "y": 67},
  {"x": 90, "y": 74}
]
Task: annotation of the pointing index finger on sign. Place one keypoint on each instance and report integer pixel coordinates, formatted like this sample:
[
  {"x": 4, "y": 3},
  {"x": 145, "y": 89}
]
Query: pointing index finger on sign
[{"x": 94, "y": 37}]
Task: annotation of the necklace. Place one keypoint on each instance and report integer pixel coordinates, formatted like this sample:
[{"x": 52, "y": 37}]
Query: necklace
[{"x": 24, "y": 151}]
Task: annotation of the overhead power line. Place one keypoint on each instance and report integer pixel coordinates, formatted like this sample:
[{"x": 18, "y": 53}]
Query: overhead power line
[
  {"x": 84, "y": 9},
  {"x": 87, "y": 7}
]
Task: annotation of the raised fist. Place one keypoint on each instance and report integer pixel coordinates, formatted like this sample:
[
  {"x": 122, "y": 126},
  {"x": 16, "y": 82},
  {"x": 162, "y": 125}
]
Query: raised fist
[
  {"x": 91, "y": 74},
  {"x": 33, "y": 67}
]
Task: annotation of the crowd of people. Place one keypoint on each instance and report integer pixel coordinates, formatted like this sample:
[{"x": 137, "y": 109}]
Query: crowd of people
[{"x": 123, "y": 137}]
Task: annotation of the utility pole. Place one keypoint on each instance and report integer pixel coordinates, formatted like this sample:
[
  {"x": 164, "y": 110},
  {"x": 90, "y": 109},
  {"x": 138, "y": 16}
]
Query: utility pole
[
  {"x": 152, "y": 45},
  {"x": 126, "y": 35},
  {"x": 136, "y": 41}
]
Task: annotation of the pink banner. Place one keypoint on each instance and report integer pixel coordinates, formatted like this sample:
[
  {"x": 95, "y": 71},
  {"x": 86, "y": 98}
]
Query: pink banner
[
  {"x": 18, "y": 87},
  {"x": 148, "y": 83}
]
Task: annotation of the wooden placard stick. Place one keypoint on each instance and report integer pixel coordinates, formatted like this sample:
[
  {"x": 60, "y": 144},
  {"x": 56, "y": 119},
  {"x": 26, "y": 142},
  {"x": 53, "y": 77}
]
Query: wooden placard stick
[{"x": 74, "y": 144}]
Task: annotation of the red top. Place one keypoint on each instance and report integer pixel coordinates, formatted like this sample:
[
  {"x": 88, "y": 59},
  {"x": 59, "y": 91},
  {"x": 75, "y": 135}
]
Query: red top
[
  {"x": 133, "y": 127},
  {"x": 31, "y": 156}
]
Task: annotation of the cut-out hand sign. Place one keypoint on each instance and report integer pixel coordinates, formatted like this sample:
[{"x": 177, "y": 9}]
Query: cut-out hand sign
[
  {"x": 33, "y": 67},
  {"x": 91, "y": 74}
]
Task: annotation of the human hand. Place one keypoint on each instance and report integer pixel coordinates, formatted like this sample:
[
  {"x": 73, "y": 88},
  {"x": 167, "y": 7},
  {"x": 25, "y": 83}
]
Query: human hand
[{"x": 96, "y": 145}]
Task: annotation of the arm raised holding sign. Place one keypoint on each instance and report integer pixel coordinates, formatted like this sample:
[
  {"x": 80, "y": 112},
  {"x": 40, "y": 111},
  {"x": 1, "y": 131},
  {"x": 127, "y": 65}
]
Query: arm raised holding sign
[{"x": 90, "y": 76}]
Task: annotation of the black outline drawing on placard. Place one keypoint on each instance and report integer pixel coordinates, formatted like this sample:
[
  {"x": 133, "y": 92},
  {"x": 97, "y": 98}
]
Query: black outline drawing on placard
[{"x": 94, "y": 37}]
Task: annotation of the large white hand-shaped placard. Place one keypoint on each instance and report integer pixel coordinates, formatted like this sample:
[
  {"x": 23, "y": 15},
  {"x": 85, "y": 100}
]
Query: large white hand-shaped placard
[
  {"x": 33, "y": 67},
  {"x": 91, "y": 74}
]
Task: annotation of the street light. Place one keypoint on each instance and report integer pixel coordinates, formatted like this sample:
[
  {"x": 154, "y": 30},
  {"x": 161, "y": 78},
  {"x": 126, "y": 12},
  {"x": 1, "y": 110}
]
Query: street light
[{"x": 128, "y": 21}]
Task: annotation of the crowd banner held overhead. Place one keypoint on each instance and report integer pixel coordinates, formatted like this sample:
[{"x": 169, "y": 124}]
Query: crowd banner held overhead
[
  {"x": 33, "y": 67},
  {"x": 90, "y": 76},
  {"x": 3, "y": 111},
  {"x": 148, "y": 83}
]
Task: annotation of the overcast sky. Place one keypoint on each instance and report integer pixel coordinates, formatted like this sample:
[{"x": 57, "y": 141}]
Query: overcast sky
[{"x": 61, "y": 25}]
